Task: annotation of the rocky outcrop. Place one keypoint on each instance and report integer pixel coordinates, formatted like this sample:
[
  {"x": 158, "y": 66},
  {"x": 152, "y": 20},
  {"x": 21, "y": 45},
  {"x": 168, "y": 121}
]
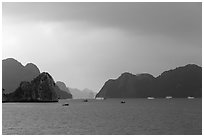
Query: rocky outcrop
[
  {"x": 40, "y": 89},
  {"x": 13, "y": 72},
  {"x": 181, "y": 82},
  {"x": 127, "y": 86},
  {"x": 63, "y": 92}
]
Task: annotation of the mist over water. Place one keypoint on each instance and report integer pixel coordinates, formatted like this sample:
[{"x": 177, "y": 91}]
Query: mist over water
[{"x": 104, "y": 117}]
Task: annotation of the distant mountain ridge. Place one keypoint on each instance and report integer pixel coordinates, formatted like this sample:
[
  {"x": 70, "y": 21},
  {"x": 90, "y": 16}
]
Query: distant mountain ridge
[
  {"x": 82, "y": 94},
  {"x": 180, "y": 82}
]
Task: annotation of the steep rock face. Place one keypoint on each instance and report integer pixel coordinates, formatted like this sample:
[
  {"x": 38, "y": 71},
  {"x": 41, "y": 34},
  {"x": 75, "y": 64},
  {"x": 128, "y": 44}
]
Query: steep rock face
[
  {"x": 63, "y": 92},
  {"x": 13, "y": 72},
  {"x": 181, "y": 82},
  {"x": 42, "y": 88}
]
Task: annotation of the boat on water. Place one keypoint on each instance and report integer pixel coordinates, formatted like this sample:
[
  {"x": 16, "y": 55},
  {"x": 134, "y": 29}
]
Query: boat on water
[
  {"x": 190, "y": 97},
  {"x": 100, "y": 98},
  {"x": 150, "y": 97},
  {"x": 65, "y": 104},
  {"x": 168, "y": 97},
  {"x": 122, "y": 102}
]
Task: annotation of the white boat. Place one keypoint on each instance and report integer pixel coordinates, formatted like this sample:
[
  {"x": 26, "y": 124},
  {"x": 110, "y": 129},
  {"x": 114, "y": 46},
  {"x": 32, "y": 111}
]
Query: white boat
[
  {"x": 150, "y": 97},
  {"x": 99, "y": 98},
  {"x": 168, "y": 97},
  {"x": 190, "y": 97}
]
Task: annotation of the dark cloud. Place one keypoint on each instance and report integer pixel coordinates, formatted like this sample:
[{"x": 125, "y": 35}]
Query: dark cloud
[
  {"x": 175, "y": 19},
  {"x": 102, "y": 40}
]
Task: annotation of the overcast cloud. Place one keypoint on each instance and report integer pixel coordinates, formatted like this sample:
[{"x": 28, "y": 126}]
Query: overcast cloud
[{"x": 85, "y": 44}]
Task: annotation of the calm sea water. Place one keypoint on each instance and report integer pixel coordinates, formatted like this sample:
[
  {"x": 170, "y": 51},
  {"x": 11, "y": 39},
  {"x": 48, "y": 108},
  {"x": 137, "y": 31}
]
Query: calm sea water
[{"x": 136, "y": 116}]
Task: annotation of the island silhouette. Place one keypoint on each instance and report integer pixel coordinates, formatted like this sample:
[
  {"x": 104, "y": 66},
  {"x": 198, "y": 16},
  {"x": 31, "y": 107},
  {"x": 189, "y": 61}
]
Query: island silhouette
[
  {"x": 21, "y": 83},
  {"x": 27, "y": 84},
  {"x": 181, "y": 82}
]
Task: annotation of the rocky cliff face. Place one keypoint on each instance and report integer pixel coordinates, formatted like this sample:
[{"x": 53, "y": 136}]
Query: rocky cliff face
[
  {"x": 181, "y": 82},
  {"x": 13, "y": 72},
  {"x": 42, "y": 88}
]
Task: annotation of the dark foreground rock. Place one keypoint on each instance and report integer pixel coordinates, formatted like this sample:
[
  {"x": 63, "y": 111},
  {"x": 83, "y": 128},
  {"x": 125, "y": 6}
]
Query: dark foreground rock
[
  {"x": 179, "y": 83},
  {"x": 40, "y": 89}
]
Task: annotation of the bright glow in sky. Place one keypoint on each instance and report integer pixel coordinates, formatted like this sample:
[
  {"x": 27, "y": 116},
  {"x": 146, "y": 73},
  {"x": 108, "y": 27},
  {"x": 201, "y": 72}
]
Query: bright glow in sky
[{"x": 85, "y": 44}]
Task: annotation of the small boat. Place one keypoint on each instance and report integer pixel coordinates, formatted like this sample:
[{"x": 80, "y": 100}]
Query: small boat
[
  {"x": 150, "y": 97},
  {"x": 122, "y": 102},
  {"x": 86, "y": 100},
  {"x": 168, "y": 97},
  {"x": 100, "y": 98},
  {"x": 190, "y": 97},
  {"x": 65, "y": 104}
]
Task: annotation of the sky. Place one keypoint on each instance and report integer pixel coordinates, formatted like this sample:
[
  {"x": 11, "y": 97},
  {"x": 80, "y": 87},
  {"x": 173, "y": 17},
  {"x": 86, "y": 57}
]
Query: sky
[{"x": 85, "y": 44}]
